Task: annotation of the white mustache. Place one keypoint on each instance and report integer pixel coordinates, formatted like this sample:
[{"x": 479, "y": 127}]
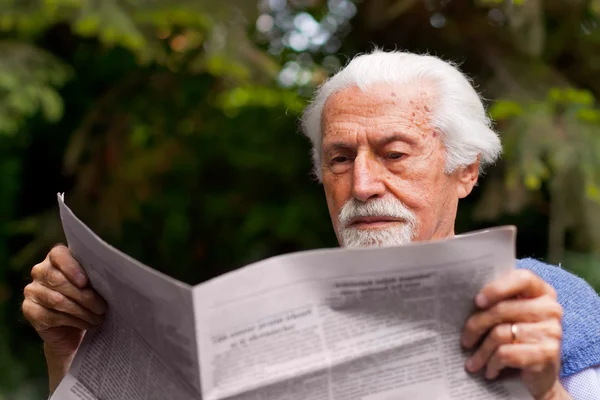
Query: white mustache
[{"x": 380, "y": 207}]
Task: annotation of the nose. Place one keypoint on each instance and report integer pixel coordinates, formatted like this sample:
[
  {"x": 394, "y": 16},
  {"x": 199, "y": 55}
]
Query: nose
[{"x": 367, "y": 183}]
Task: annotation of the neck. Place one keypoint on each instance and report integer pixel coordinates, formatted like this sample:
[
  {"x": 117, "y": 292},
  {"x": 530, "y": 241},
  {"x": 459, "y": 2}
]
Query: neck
[{"x": 439, "y": 234}]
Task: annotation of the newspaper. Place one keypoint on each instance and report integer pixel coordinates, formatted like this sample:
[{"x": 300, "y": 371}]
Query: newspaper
[{"x": 335, "y": 324}]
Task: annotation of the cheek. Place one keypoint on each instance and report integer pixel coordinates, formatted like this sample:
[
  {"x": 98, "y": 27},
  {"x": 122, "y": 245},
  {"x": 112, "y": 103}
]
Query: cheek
[
  {"x": 430, "y": 198},
  {"x": 337, "y": 192},
  {"x": 423, "y": 190},
  {"x": 423, "y": 181},
  {"x": 414, "y": 187}
]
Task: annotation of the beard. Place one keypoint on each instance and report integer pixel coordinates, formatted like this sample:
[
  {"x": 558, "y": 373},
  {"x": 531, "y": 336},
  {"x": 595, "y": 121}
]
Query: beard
[{"x": 400, "y": 233}]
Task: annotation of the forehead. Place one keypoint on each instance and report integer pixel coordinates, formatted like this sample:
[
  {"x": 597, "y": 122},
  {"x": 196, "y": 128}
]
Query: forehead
[{"x": 402, "y": 106}]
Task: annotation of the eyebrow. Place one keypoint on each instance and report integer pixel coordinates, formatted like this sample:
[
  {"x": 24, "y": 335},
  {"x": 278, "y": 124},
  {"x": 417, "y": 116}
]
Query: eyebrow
[
  {"x": 337, "y": 146},
  {"x": 396, "y": 137}
]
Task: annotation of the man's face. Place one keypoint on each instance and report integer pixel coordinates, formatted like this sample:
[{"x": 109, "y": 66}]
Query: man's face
[{"x": 383, "y": 167}]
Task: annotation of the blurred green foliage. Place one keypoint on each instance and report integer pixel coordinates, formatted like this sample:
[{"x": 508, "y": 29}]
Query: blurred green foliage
[{"x": 172, "y": 126}]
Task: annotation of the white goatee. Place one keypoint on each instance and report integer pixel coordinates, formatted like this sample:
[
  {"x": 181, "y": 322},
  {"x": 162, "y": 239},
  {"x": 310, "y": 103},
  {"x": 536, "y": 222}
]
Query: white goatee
[{"x": 399, "y": 234}]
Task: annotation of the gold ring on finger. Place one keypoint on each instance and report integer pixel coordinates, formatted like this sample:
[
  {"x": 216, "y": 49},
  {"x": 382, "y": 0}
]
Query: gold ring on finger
[{"x": 515, "y": 331}]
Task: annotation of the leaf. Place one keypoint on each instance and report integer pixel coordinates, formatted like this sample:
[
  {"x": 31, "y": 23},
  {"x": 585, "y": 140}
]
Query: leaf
[
  {"x": 505, "y": 109},
  {"x": 589, "y": 115},
  {"x": 555, "y": 95},
  {"x": 8, "y": 81},
  {"x": 51, "y": 104},
  {"x": 87, "y": 25},
  {"x": 592, "y": 191},
  {"x": 20, "y": 102},
  {"x": 532, "y": 182},
  {"x": 29, "y": 77},
  {"x": 577, "y": 96},
  {"x": 570, "y": 96},
  {"x": 220, "y": 65},
  {"x": 8, "y": 126}
]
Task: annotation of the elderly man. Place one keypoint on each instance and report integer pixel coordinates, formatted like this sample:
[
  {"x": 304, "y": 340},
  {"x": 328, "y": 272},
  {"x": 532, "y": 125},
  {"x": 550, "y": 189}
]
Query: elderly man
[{"x": 397, "y": 139}]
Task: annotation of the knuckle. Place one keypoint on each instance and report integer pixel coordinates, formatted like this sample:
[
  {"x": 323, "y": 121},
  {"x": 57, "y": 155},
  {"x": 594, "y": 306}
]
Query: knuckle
[
  {"x": 55, "y": 299},
  {"x": 555, "y": 310},
  {"x": 35, "y": 314},
  {"x": 552, "y": 292},
  {"x": 28, "y": 309},
  {"x": 57, "y": 250},
  {"x": 559, "y": 311},
  {"x": 503, "y": 354},
  {"x": 551, "y": 349},
  {"x": 526, "y": 275},
  {"x": 508, "y": 356},
  {"x": 38, "y": 270},
  {"x": 556, "y": 330},
  {"x": 496, "y": 335},
  {"x": 53, "y": 278},
  {"x": 29, "y": 290}
]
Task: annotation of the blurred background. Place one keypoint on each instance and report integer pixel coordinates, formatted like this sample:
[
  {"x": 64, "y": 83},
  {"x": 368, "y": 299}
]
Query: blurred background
[{"x": 172, "y": 126}]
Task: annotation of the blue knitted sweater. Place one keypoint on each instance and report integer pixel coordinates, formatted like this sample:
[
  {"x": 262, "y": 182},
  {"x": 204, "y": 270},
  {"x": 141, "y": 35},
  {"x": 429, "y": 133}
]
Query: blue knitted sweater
[{"x": 581, "y": 318}]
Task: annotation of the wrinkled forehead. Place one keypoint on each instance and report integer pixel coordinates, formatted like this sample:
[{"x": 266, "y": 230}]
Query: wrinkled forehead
[{"x": 412, "y": 103}]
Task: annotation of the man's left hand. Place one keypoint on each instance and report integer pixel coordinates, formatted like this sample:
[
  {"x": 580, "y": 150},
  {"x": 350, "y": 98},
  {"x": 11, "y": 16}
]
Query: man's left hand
[{"x": 519, "y": 326}]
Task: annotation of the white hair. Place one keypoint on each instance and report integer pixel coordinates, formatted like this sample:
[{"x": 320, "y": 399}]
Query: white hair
[{"x": 459, "y": 114}]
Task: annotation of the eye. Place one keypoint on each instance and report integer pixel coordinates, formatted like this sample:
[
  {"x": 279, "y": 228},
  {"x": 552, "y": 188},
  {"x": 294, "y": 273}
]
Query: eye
[
  {"x": 394, "y": 155},
  {"x": 340, "y": 159},
  {"x": 340, "y": 164}
]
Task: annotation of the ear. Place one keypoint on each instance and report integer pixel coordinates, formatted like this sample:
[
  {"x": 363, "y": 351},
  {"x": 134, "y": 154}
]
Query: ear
[{"x": 467, "y": 179}]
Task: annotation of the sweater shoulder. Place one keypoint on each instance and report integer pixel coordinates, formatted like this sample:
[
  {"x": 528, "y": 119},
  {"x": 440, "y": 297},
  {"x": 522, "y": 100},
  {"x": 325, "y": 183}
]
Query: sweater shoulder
[
  {"x": 581, "y": 318},
  {"x": 563, "y": 281}
]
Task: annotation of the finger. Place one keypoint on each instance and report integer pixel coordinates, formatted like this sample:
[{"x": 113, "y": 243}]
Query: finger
[
  {"x": 520, "y": 310},
  {"x": 498, "y": 336},
  {"x": 57, "y": 301},
  {"x": 54, "y": 279},
  {"x": 502, "y": 334},
  {"x": 62, "y": 259},
  {"x": 522, "y": 283},
  {"x": 42, "y": 318},
  {"x": 532, "y": 357},
  {"x": 538, "y": 332}
]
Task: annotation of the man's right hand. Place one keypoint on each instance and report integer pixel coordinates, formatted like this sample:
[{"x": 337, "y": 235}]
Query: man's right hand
[{"x": 61, "y": 306}]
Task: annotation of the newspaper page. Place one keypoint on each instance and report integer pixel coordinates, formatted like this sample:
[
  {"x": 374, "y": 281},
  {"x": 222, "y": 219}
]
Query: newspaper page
[
  {"x": 368, "y": 324},
  {"x": 146, "y": 348}
]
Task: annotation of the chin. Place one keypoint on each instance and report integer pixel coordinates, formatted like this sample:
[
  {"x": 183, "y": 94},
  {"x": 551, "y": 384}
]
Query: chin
[{"x": 363, "y": 238}]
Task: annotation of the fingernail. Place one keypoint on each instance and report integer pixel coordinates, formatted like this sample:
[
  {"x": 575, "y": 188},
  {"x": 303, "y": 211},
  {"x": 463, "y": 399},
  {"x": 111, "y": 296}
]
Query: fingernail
[
  {"x": 481, "y": 300},
  {"x": 470, "y": 365},
  {"x": 100, "y": 309},
  {"x": 80, "y": 279}
]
